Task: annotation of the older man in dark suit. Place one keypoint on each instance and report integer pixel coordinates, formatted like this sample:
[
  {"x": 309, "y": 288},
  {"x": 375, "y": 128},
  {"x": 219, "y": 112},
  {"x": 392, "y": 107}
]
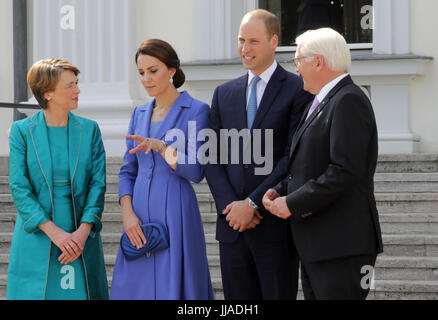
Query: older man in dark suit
[
  {"x": 328, "y": 196},
  {"x": 255, "y": 262}
]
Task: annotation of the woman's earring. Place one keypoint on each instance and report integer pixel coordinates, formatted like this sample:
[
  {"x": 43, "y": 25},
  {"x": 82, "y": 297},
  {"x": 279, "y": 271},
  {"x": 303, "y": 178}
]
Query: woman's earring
[{"x": 171, "y": 80}]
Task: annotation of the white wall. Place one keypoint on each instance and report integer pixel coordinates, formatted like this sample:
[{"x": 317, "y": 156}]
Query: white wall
[
  {"x": 173, "y": 21},
  {"x": 6, "y": 74},
  {"x": 423, "y": 90}
]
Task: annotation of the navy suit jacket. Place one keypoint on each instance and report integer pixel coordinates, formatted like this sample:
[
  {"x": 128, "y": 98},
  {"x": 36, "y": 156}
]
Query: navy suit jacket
[{"x": 280, "y": 109}]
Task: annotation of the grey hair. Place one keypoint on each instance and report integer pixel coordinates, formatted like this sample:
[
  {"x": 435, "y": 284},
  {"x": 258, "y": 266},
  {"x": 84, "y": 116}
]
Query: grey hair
[{"x": 328, "y": 43}]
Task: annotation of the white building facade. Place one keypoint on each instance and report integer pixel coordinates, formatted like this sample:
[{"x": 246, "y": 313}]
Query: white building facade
[{"x": 101, "y": 37}]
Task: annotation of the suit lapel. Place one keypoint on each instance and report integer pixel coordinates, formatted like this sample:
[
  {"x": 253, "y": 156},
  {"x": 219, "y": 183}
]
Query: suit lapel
[
  {"x": 239, "y": 101},
  {"x": 74, "y": 143},
  {"x": 147, "y": 118},
  {"x": 272, "y": 88},
  {"x": 305, "y": 123},
  {"x": 40, "y": 141}
]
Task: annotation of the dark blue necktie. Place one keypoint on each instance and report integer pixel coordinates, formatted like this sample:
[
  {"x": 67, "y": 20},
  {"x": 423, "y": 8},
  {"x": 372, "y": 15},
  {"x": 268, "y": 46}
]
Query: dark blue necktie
[{"x": 252, "y": 103}]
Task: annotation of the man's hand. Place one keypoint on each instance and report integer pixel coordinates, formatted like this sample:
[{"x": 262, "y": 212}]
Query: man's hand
[
  {"x": 269, "y": 198},
  {"x": 279, "y": 208},
  {"x": 241, "y": 216}
]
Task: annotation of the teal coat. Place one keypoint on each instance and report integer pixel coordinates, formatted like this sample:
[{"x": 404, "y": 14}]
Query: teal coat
[{"x": 30, "y": 179}]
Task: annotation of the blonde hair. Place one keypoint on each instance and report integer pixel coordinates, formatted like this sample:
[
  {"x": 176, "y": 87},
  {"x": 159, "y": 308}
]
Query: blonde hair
[
  {"x": 44, "y": 75},
  {"x": 272, "y": 24},
  {"x": 328, "y": 43}
]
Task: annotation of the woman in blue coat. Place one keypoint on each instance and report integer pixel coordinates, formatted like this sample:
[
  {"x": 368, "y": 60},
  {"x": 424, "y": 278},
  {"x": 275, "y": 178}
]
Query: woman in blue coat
[
  {"x": 57, "y": 180},
  {"x": 154, "y": 186}
]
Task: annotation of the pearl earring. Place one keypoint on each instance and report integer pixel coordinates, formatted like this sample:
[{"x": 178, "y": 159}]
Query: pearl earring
[{"x": 171, "y": 80}]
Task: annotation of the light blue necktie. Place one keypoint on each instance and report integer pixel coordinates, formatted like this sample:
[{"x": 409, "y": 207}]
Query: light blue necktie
[{"x": 252, "y": 103}]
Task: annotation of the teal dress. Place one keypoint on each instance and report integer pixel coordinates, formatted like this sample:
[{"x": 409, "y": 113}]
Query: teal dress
[
  {"x": 32, "y": 170},
  {"x": 64, "y": 282}
]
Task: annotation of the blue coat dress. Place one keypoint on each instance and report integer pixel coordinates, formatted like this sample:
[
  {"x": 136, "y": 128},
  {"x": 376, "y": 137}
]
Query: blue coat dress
[{"x": 160, "y": 194}]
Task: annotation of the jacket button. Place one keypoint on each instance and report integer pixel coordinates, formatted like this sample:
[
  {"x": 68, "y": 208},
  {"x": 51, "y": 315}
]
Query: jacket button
[{"x": 290, "y": 177}]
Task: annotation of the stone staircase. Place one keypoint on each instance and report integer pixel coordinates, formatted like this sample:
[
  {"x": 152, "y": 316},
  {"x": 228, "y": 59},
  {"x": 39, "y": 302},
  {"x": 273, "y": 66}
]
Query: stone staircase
[{"x": 407, "y": 198}]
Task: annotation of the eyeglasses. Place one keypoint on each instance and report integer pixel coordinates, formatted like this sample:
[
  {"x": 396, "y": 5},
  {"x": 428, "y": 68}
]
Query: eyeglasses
[{"x": 296, "y": 61}]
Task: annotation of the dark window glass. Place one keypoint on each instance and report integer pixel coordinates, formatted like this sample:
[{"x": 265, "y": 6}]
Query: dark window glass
[{"x": 352, "y": 18}]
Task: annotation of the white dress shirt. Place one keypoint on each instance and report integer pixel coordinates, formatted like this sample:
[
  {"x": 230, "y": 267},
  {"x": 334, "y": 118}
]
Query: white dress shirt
[
  {"x": 261, "y": 85},
  {"x": 329, "y": 86}
]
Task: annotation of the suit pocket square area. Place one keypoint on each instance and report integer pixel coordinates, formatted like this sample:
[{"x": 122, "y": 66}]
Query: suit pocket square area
[{"x": 157, "y": 239}]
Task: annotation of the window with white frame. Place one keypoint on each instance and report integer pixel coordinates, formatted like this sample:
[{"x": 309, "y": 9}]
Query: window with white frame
[{"x": 352, "y": 18}]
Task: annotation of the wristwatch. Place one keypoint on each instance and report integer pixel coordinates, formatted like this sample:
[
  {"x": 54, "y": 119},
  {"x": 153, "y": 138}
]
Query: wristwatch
[{"x": 253, "y": 205}]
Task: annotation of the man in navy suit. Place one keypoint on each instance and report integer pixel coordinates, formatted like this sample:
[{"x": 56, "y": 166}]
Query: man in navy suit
[{"x": 255, "y": 260}]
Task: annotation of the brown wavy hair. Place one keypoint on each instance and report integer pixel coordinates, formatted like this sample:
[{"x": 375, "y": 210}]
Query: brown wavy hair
[{"x": 164, "y": 52}]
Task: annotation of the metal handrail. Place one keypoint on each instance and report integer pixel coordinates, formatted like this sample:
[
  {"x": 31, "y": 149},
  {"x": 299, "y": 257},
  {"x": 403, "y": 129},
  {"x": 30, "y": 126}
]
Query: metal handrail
[{"x": 19, "y": 106}]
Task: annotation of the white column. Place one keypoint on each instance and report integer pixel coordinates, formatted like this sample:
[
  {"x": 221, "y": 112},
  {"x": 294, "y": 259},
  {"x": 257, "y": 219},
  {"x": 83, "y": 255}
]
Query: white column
[
  {"x": 388, "y": 82},
  {"x": 217, "y": 28},
  {"x": 391, "y": 27},
  {"x": 102, "y": 45}
]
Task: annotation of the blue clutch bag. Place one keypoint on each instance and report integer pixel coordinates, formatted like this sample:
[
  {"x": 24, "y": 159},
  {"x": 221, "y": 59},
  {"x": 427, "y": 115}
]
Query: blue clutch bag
[{"x": 157, "y": 239}]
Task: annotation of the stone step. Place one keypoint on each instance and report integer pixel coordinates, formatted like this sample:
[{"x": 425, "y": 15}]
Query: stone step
[
  {"x": 112, "y": 186},
  {"x": 404, "y": 290},
  {"x": 394, "y": 245},
  {"x": 205, "y": 202},
  {"x": 391, "y": 223},
  {"x": 397, "y": 244},
  {"x": 409, "y": 223},
  {"x": 4, "y": 166},
  {"x": 386, "y": 202},
  {"x": 3, "y": 283},
  {"x": 383, "y": 182},
  {"x": 417, "y": 162},
  {"x": 7, "y": 222},
  {"x": 113, "y": 165},
  {"x": 4, "y": 184},
  {"x": 5, "y": 242},
  {"x": 380, "y": 290},
  {"x": 406, "y": 268},
  {"x": 409, "y": 245},
  {"x": 406, "y": 182},
  {"x": 406, "y": 202},
  {"x": 386, "y": 268}
]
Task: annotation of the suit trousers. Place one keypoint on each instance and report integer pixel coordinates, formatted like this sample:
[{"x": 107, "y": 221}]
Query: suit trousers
[
  {"x": 259, "y": 271},
  {"x": 346, "y": 278}
]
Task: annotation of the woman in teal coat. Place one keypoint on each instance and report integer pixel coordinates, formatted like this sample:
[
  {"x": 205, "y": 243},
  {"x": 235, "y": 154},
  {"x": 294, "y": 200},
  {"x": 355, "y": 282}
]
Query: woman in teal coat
[{"x": 57, "y": 180}]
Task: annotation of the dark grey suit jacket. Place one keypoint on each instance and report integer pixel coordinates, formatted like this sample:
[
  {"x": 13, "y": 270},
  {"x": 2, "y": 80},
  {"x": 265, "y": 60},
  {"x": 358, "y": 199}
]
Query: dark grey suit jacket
[{"x": 330, "y": 188}]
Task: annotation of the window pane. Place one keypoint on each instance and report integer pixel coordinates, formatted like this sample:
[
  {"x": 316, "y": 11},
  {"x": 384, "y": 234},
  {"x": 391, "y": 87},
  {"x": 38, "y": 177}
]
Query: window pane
[{"x": 352, "y": 18}]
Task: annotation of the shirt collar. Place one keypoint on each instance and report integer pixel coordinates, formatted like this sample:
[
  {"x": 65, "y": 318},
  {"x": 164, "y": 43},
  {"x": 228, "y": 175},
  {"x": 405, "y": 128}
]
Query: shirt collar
[
  {"x": 329, "y": 86},
  {"x": 266, "y": 75}
]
